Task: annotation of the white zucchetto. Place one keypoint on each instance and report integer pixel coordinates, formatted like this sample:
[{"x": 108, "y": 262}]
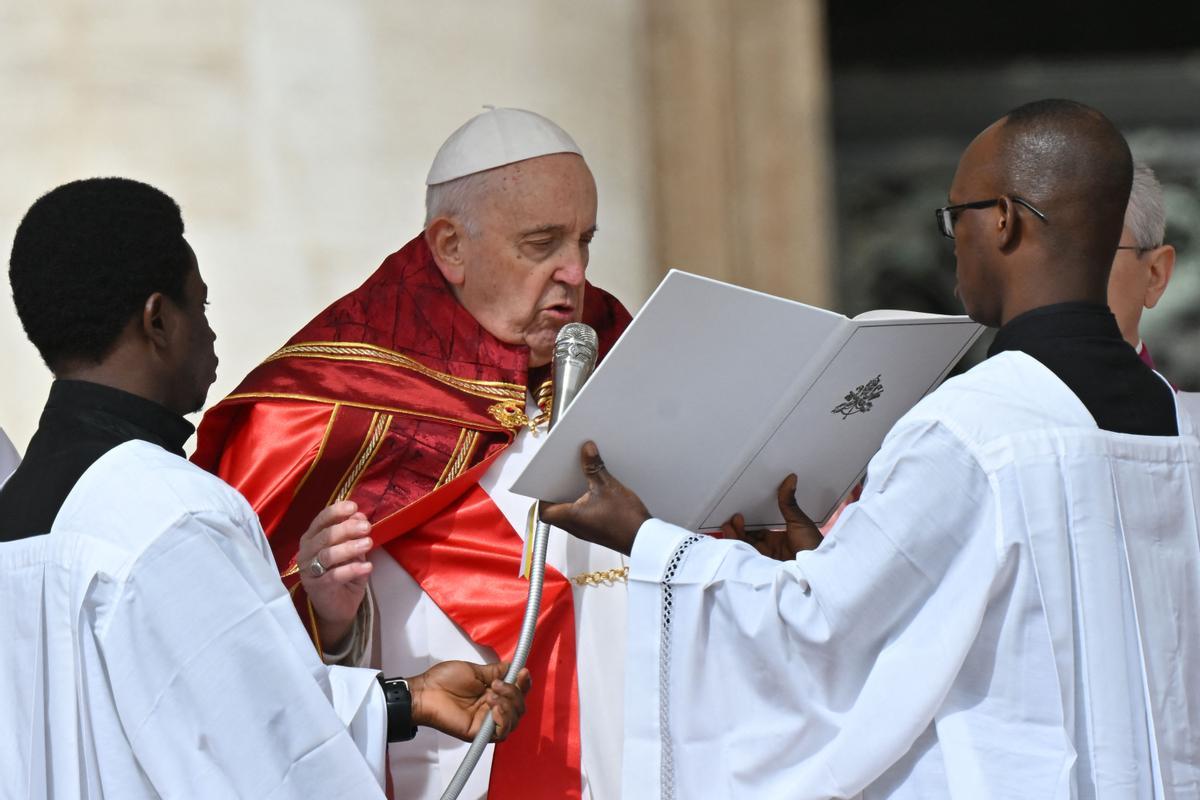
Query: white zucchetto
[{"x": 497, "y": 137}]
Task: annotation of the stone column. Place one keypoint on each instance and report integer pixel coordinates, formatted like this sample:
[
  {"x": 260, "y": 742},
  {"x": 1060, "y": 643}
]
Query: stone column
[{"x": 742, "y": 155}]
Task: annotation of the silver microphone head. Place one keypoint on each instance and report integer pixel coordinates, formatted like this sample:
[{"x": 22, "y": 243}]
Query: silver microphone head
[
  {"x": 576, "y": 341},
  {"x": 575, "y": 350}
]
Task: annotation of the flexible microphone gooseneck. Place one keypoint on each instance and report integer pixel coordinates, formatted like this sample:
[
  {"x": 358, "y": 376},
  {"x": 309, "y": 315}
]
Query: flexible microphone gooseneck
[{"x": 575, "y": 350}]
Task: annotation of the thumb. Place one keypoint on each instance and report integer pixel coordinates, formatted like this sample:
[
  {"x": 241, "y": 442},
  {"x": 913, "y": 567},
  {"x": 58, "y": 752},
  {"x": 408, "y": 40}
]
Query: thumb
[
  {"x": 492, "y": 672},
  {"x": 560, "y": 514},
  {"x": 593, "y": 465},
  {"x": 788, "y": 506}
]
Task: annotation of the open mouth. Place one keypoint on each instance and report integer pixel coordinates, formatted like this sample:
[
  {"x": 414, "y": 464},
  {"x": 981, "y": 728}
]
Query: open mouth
[{"x": 564, "y": 311}]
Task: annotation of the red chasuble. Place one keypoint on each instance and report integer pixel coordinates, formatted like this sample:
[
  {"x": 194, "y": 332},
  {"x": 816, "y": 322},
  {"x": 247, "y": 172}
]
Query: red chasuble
[{"x": 396, "y": 398}]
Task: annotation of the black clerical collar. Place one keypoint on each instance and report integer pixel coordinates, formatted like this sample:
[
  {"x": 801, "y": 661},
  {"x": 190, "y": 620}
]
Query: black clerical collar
[
  {"x": 126, "y": 416},
  {"x": 1082, "y": 345},
  {"x": 1061, "y": 321},
  {"x": 81, "y": 422}
]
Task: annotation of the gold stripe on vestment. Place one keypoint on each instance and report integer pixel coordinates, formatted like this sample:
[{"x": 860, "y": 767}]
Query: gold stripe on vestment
[
  {"x": 366, "y": 453},
  {"x": 407, "y": 412},
  {"x": 460, "y": 459},
  {"x": 320, "y": 450},
  {"x": 370, "y": 354}
]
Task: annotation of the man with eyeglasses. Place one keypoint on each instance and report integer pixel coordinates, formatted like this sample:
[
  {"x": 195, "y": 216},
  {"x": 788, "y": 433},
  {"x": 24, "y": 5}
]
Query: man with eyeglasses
[
  {"x": 1008, "y": 610},
  {"x": 1142, "y": 267}
]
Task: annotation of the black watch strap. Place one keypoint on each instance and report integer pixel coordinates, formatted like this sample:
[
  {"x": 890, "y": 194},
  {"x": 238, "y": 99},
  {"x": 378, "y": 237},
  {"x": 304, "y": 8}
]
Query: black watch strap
[{"x": 400, "y": 727}]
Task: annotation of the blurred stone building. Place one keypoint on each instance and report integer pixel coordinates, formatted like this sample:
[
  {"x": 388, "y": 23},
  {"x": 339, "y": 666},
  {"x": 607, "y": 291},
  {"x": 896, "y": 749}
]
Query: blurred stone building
[
  {"x": 296, "y": 138},
  {"x": 794, "y": 146},
  {"x": 914, "y": 82}
]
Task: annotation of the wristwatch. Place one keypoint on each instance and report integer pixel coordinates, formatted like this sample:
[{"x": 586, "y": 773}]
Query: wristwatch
[{"x": 400, "y": 727}]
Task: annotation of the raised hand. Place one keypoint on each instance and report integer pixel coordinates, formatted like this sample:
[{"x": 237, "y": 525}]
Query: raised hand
[
  {"x": 608, "y": 513},
  {"x": 799, "y": 534},
  {"x": 337, "y": 541},
  {"x": 455, "y": 696}
]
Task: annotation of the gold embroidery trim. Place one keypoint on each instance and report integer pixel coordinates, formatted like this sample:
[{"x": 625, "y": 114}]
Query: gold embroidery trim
[
  {"x": 341, "y": 351},
  {"x": 366, "y": 453},
  {"x": 545, "y": 395},
  {"x": 312, "y": 621},
  {"x": 366, "y": 406},
  {"x": 460, "y": 458},
  {"x": 449, "y": 468},
  {"x": 602, "y": 577},
  {"x": 545, "y": 401},
  {"x": 320, "y": 450}
]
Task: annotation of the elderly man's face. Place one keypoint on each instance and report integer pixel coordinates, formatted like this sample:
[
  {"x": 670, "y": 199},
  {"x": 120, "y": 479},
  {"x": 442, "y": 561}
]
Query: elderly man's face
[
  {"x": 522, "y": 273},
  {"x": 1127, "y": 285},
  {"x": 1137, "y": 281}
]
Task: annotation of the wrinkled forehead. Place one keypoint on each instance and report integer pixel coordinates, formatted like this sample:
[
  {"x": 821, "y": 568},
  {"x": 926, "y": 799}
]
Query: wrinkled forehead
[
  {"x": 559, "y": 185},
  {"x": 560, "y": 170}
]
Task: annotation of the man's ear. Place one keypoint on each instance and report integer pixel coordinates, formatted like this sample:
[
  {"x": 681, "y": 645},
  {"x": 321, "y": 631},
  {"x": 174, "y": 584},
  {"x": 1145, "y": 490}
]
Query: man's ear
[
  {"x": 446, "y": 239},
  {"x": 157, "y": 320},
  {"x": 1162, "y": 264},
  {"x": 1008, "y": 223}
]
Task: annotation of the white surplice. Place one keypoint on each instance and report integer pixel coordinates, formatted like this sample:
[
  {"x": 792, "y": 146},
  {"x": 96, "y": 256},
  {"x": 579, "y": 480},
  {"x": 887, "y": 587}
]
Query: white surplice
[
  {"x": 1189, "y": 402},
  {"x": 414, "y": 634},
  {"x": 150, "y": 650},
  {"x": 9, "y": 458},
  {"x": 1009, "y": 611}
]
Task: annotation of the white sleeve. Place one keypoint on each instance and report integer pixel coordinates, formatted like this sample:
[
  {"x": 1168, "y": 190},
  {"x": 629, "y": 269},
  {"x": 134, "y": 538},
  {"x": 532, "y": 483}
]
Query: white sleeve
[
  {"x": 748, "y": 677},
  {"x": 218, "y": 688},
  {"x": 356, "y": 650},
  {"x": 359, "y": 703}
]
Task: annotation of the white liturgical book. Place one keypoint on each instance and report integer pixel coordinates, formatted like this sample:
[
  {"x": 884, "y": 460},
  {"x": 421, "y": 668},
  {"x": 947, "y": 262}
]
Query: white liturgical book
[{"x": 715, "y": 393}]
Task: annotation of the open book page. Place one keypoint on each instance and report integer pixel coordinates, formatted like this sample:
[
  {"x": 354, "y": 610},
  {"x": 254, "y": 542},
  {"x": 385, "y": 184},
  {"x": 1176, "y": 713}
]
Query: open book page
[
  {"x": 837, "y": 424},
  {"x": 691, "y": 400},
  {"x": 683, "y": 394}
]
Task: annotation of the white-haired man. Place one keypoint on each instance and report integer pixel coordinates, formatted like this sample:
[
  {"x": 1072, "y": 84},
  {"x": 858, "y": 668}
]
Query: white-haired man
[
  {"x": 1143, "y": 264},
  {"x": 418, "y": 396}
]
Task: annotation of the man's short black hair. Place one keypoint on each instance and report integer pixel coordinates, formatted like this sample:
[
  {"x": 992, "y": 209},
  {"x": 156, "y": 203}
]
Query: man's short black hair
[
  {"x": 86, "y": 257},
  {"x": 1070, "y": 161}
]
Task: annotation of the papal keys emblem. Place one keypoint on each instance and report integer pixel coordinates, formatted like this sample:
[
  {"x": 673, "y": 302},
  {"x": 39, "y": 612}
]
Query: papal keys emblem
[{"x": 859, "y": 401}]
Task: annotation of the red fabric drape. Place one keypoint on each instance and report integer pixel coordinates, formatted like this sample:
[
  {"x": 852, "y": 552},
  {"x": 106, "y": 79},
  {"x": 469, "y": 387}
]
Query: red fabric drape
[{"x": 398, "y": 379}]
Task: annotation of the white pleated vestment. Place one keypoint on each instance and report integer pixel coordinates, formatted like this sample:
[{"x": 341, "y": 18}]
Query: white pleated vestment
[
  {"x": 150, "y": 650},
  {"x": 1012, "y": 610}
]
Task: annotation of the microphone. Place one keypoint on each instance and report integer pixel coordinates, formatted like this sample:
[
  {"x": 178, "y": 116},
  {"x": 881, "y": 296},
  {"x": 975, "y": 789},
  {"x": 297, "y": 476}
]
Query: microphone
[{"x": 575, "y": 350}]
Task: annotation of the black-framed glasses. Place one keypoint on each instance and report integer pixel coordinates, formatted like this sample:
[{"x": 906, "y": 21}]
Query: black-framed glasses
[
  {"x": 1137, "y": 247},
  {"x": 946, "y": 217}
]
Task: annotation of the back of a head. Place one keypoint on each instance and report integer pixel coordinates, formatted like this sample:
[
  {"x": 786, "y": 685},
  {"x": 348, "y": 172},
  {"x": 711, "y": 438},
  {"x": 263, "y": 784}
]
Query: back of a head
[
  {"x": 1146, "y": 216},
  {"x": 85, "y": 258},
  {"x": 1071, "y": 162}
]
